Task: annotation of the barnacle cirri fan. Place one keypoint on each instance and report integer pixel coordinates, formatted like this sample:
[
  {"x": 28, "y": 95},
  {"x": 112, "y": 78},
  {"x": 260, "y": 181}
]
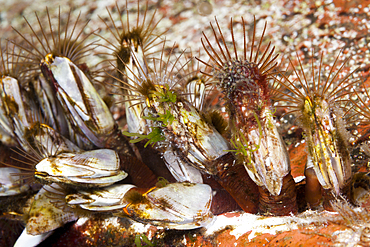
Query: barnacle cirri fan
[{"x": 316, "y": 98}]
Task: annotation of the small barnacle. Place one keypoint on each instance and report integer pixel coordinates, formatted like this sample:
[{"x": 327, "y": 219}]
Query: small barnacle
[
  {"x": 244, "y": 80},
  {"x": 316, "y": 101},
  {"x": 15, "y": 108},
  {"x": 111, "y": 198},
  {"x": 197, "y": 86},
  {"x": 360, "y": 188},
  {"x": 95, "y": 168},
  {"x": 39, "y": 141},
  {"x": 132, "y": 40}
]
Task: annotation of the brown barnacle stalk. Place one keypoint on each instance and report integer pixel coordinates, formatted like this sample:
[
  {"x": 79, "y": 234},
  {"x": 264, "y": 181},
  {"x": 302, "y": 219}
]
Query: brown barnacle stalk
[
  {"x": 244, "y": 80},
  {"x": 316, "y": 99}
]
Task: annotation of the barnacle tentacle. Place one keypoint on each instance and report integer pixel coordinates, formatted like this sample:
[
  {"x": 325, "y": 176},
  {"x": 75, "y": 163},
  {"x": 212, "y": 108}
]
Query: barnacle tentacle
[{"x": 49, "y": 39}]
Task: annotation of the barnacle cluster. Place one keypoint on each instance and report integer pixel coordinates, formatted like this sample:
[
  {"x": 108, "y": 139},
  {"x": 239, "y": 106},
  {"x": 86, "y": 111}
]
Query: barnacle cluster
[{"x": 134, "y": 134}]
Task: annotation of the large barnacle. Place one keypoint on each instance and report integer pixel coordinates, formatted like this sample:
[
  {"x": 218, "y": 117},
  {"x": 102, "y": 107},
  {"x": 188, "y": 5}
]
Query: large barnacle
[
  {"x": 315, "y": 98},
  {"x": 57, "y": 52},
  {"x": 180, "y": 122},
  {"x": 244, "y": 80}
]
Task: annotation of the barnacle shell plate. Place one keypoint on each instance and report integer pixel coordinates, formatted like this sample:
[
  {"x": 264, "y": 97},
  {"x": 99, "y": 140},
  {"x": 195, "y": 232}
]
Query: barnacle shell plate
[
  {"x": 202, "y": 144},
  {"x": 176, "y": 206},
  {"x": 270, "y": 161},
  {"x": 44, "y": 216},
  {"x": 136, "y": 66},
  {"x": 53, "y": 142},
  {"x": 95, "y": 168},
  {"x": 105, "y": 199},
  {"x": 14, "y": 111},
  {"x": 11, "y": 89},
  {"x": 207, "y": 137},
  {"x": 9, "y": 183},
  {"x": 181, "y": 170},
  {"x": 74, "y": 91},
  {"x": 5, "y": 122}
]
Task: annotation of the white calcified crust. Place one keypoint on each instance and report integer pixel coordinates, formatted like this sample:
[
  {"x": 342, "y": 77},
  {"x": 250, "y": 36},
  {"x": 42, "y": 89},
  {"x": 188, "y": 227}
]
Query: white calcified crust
[{"x": 49, "y": 105}]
